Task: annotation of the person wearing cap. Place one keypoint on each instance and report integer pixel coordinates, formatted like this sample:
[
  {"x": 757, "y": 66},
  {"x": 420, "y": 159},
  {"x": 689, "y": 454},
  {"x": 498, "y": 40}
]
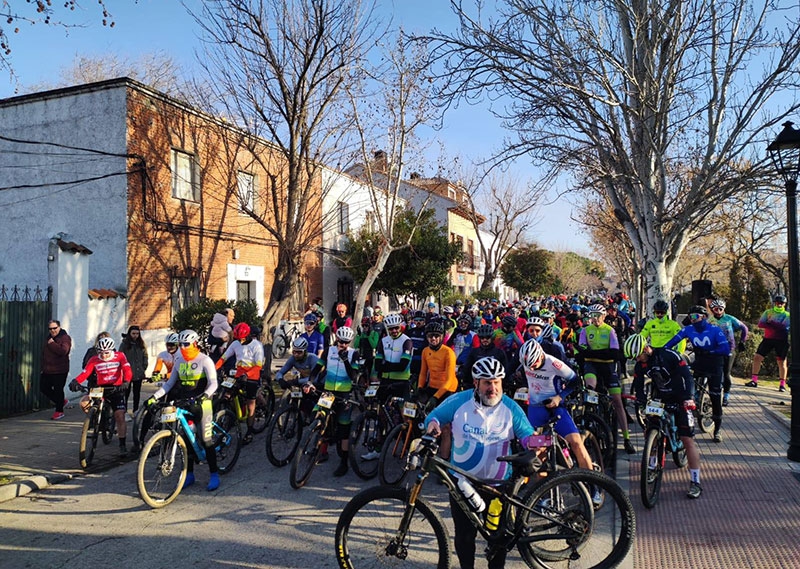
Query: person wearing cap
[
  {"x": 775, "y": 323},
  {"x": 315, "y": 339},
  {"x": 710, "y": 346}
]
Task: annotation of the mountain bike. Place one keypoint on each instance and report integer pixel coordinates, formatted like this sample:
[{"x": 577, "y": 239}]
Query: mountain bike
[
  {"x": 163, "y": 463},
  {"x": 552, "y": 521},
  {"x": 703, "y": 409},
  {"x": 318, "y": 432},
  {"x": 369, "y": 431},
  {"x": 582, "y": 407},
  {"x": 286, "y": 427},
  {"x": 231, "y": 395},
  {"x": 661, "y": 435},
  {"x": 98, "y": 424},
  {"x": 283, "y": 336},
  {"x": 397, "y": 446}
]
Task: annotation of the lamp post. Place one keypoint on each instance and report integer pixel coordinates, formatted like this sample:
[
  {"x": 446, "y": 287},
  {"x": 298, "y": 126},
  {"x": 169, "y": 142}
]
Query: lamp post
[{"x": 785, "y": 154}]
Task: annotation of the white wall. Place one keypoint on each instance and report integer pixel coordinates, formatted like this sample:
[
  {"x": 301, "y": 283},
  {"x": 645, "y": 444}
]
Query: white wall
[{"x": 58, "y": 198}]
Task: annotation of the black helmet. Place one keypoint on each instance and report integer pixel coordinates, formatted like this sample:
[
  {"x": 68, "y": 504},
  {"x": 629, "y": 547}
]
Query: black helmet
[
  {"x": 779, "y": 298},
  {"x": 698, "y": 309},
  {"x": 509, "y": 320},
  {"x": 434, "y": 328},
  {"x": 485, "y": 331},
  {"x": 660, "y": 306}
]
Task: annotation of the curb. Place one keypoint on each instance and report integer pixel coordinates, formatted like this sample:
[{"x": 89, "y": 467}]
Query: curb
[
  {"x": 30, "y": 484},
  {"x": 781, "y": 418},
  {"x": 622, "y": 473}
]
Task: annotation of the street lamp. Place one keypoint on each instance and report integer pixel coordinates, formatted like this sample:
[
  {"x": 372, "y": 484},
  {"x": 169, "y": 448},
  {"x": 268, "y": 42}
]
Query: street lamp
[{"x": 785, "y": 154}]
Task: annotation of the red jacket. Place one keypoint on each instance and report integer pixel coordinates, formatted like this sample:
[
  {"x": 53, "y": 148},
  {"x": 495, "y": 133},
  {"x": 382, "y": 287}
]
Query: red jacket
[{"x": 115, "y": 371}]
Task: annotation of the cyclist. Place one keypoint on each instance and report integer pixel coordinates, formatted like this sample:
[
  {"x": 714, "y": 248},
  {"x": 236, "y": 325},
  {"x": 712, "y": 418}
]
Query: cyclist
[
  {"x": 775, "y": 323},
  {"x": 730, "y": 325},
  {"x": 166, "y": 359},
  {"x": 660, "y": 329},
  {"x": 483, "y": 422},
  {"x": 710, "y": 346},
  {"x": 461, "y": 341},
  {"x": 114, "y": 374},
  {"x": 671, "y": 382},
  {"x": 393, "y": 360},
  {"x": 249, "y": 354},
  {"x": 484, "y": 349},
  {"x": 340, "y": 364},
  {"x": 437, "y": 376},
  {"x": 550, "y": 381},
  {"x": 194, "y": 377},
  {"x": 507, "y": 339},
  {"x": 366, "y": 343},
  {"x": 315, "y": 339},
  {"x": 599, "y": 347},
  {"x": 301, "y": 361}
]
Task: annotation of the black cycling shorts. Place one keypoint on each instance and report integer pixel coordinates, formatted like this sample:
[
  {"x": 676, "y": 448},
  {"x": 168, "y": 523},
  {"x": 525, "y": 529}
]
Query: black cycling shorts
[{"x": 781, "y": 348}]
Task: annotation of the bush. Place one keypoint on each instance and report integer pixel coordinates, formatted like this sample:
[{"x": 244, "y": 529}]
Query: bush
[
  {"x": 743, "y": 366},
  {"x": 198, "y": 316}
]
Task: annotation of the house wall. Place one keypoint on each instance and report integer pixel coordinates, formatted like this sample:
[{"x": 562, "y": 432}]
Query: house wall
[
  {"x": 75, "y": 190},
  {"x": 465, "y": 277}
]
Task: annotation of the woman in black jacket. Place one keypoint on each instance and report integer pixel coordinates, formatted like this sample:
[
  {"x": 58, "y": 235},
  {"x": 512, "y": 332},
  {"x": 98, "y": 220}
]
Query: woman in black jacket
[{"x": 134, "y": 349}]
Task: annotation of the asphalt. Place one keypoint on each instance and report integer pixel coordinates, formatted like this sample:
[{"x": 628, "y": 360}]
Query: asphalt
[{"x": 747, "y": 516}]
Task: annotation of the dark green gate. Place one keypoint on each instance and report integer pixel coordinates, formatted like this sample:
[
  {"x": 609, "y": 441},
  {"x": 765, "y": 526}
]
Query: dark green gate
[{"x": 24, "y": 314}]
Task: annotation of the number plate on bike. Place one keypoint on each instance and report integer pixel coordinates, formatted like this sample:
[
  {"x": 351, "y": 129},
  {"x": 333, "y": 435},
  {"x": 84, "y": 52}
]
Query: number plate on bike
[
  {"x": 96, "y": 392},
  {"x": 229, "y": 382},
  {"x": 169, "y": 417},
  {"x": 655, "y": 408},
  {"x": 326, "y": 400},
  {"x": 371, "y": 391},
  {"x": 409, "y": 409},
  {"x": 591, "y": 397},
  {"x": 521, "y": 394},
  {"x": 296, "y": 394}
]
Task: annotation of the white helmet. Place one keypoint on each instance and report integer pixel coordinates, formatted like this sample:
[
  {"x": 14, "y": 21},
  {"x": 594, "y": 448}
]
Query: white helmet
[
  {"x": 172, "y": 338},
  {"x": 488, "y": 368},
  {"x": 595, "y": 308},
  {"x": 300, "y": 344},
  {"x": 530, "y": 352},
  {"x": 535, "y": 321},
  {"x": 345, "y": 334},
  {"x": 393, "y": 320},
  {"x": 188, "y": 337},
  {"x": 106, "y": 345}
]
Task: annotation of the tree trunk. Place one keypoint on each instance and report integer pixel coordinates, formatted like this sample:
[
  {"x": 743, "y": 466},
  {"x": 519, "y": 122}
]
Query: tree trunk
[
  {"x": 372, "y": 274},
  {"x": 489, "y": 277}
]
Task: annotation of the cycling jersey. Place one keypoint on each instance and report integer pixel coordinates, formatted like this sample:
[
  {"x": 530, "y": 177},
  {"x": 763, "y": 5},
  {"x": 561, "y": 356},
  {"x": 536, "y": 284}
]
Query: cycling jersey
[
  {"x": 704, "y": 337},
  {"x": 546, "y": 381},
  {"x": 669, "y": 374},
  {"x": 480, "y": 433},
  {"x": 599, "y": 343},
  {"x": 393, "y": 358},
  {"x": 316, "y": 342},
  {"x": 775, "y": 322},
  {"x": 304, "y": 367},
  {"x": 461, "y": 341},
  {"x": 113, "y": 372},
  {"x": 438, "y": 371},
  {"x": 249, "y": 358},
  {"x": 192, "y": 378},
  {"x": 660, "y": 331},
  {"x": 730, "y": 325},
  {"x": 339, "y": 372},
  {"x": 164, "y": 360}
]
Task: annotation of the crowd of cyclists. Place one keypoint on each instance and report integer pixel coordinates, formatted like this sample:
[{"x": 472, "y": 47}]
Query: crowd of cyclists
[{"x": 553, "y": 347}]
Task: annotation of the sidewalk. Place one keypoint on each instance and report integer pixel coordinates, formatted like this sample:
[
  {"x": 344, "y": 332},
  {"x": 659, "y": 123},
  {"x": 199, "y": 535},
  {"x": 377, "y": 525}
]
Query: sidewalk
[{"x": 748, "y": 514}]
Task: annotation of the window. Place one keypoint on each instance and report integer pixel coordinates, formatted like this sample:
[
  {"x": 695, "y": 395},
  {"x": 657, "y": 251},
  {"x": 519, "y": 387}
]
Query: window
[
  {"x": 185, "y": 176},
  {"x": 471, "y": 254},
  {"x": 246, "y": 191},
  {"x": 185, "y": 292},
  {"x": 344, "y": 218},
  {"x": 245, "y": 290}
]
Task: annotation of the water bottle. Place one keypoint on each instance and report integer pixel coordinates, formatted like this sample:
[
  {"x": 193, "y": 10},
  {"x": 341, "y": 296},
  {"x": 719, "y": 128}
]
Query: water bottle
[
  {"x": 475, "y": 501},
  {"x": 191, "y": 425},
  {"x": 493, "y": 514}
]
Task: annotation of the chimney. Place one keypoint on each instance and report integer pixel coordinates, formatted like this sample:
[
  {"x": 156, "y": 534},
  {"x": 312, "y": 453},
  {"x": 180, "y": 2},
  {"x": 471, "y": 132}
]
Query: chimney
[
  {"x": 415, "y": 175},
  {"x": 379, "y": 163}
]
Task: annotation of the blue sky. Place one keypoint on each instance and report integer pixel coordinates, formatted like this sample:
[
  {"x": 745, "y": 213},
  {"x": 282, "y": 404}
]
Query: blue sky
[{"x": 40, "y": 52}]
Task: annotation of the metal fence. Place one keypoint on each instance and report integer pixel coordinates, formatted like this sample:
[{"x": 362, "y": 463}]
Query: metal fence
[{"x": 24, "y": 313}]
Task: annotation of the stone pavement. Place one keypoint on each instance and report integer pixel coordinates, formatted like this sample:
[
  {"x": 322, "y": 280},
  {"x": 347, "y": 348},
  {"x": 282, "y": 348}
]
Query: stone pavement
[
  {"x": 749, "y": 513},
  {"x": 747, "y": 516}
]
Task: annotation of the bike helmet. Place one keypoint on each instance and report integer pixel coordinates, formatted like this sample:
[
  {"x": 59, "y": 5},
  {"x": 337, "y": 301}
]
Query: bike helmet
[
  {"x": 447, "y": 310},
  {"x": 546, "y": 314},
  {"x": 434, "y": 328},
  {"x": 718, "y": 303},
  {"x": 535, "y": 321},
  {"x": 698, "y": 309},
  {"x": 547, "y": 331},
  {"x": 485, "y": 331},
  {"x": 345, "y": 334},
  {"x": 660, "y": 306},
  {"x": 597, "y": 309},
  {"x": 241, "y": 331},
  {"x": 634, "y": 346},
  {"x": 530, "y": 352},
  {"x": 300, "y": 344},
  {"x": 106, "y": 345},
  {"x": 188, "y": 337},
  {"x": 464, "y": 318},
  {"x": 393, "y": 320},
  {"x": 488, "y": 368},
  {"x": 310, "y": 318},
  {"x": 779, "y": 298},
  {"x": 172, "y": 338},
  {"x": 509, "y": 321},
  {"x": 419, "y": 315}
]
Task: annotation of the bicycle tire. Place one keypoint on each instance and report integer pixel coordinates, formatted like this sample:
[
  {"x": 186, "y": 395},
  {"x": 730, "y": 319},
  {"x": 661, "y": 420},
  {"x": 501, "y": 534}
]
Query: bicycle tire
[
  {"x": 392, "y": 463},
  {"x": 89, "y": 434},
  {"x": 594, "y": 450},
  {"x": 145, "y": 423},
  {"x": 572, "y": 534},
  {"x": 305, "y": 458},
  {"x": 280, "y": 344},
  {"x": 705, "y": 420},
  {"x": 264, "y": 408},
  {"x": 364, "y": 437},
  {"x": 595, "y": 424},
  {"x": 107, "y": 424},
  {"x": 368, "y": 526},
  {"x": 163, "y": 457},
  {"x": 650, "y": 479},
  {"x": 283, "y": 436},
  {"x": 227, "y": 440}
]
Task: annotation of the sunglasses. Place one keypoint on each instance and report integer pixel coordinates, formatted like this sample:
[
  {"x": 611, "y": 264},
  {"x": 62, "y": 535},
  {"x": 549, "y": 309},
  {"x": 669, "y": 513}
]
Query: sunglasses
[
  {"x": 56, "y": 328},
  {"x": 344, "y": 342},
  {"x": 185, "y": 344},
  {"x": 172, "y": 345},
  {"x": 695, "y": 316},
  {"x": 394, "y": 329},
  {"x": 434, "y": 335}
]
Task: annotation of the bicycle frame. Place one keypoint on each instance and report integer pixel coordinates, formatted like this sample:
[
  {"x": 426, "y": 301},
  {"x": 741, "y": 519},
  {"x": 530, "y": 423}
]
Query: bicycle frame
[
  {"x": 664, "y": 422},
  {"x": 182, "y": 428}
]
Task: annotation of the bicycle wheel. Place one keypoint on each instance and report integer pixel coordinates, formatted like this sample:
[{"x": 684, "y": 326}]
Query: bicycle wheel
[
  {"x": 89, "y": 435},
  {"x": 705, "y": 422},
  {"x": 265, "y": 405},
  {"x": 392, "y": 463},
  {"x": 641, "y": 418},
  {"x": 368, "y": 533},
  {"x": 146, "y": 422},
  {"x": 593, "y": 448},
  {"x": 365, "y": 445},
  {"x": 679, "y": 456},
  {"x": 595, "y": 424},
  {"x": 652, "y": 467},
  {"x": 306, "y": 456},
  {"x": 279, "y": 345},
  {"x": 560, "y": 528},
  {"x": 227, "y": 440},
  {"x": 162, "y": 469},
  {"x": 283, "y": 436},
  {"x": 108, "y": 425}
]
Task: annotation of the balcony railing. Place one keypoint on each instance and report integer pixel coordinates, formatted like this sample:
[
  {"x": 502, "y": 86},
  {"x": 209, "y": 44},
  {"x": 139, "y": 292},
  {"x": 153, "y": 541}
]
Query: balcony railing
[{"x": 470, "y": 263}]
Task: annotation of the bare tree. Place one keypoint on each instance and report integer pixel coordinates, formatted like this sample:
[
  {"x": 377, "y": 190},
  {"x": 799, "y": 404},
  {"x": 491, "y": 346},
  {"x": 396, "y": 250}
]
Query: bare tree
[
  {"x": 280, "y": 67},
  {"x": 662, "y": 105}
]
